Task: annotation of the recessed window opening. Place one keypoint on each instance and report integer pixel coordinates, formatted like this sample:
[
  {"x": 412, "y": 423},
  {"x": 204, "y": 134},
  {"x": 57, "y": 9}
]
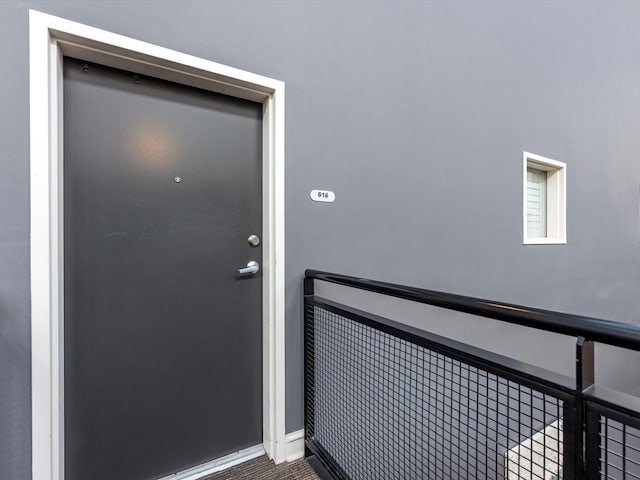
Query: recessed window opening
[{"x": 544, "y": 200}]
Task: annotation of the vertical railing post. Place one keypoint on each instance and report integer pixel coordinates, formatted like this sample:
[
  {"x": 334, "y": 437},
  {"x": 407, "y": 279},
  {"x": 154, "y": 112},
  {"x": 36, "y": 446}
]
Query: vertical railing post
[
  {"x": 309, "y": 362},
  {"x": 592, "y": 444},
  {"x": 585, "y": 370},
  {"x": 574, "y": 420}
]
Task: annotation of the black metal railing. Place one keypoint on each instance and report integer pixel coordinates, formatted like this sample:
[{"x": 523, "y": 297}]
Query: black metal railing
[{"x": 384, "y": 400}]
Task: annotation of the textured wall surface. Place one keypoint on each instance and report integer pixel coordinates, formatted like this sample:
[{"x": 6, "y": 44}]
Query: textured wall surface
[{"x": 416, "y": 114}]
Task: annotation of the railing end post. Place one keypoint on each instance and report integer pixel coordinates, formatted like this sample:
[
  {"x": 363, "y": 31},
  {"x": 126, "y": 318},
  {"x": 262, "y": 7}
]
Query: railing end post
[
  {"x": 309, "y": 361},
  {"x": 308, "y": 288}
]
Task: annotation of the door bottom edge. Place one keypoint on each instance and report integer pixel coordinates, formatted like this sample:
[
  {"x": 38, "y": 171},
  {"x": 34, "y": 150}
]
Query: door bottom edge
[{"x": 222, "y": 463}]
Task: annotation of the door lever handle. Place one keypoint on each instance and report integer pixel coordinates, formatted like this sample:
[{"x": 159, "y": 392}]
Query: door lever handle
[{"x": 252, "y": 268}]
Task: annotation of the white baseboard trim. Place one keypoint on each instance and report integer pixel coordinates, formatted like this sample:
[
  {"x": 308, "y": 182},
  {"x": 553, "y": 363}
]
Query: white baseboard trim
[
  {"x": 199, "y": 471},
  {"x": 294, "y": 445}
]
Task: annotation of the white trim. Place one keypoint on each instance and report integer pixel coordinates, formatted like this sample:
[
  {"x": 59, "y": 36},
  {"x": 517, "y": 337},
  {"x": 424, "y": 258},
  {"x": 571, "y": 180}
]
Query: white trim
[
  {"x": 228, "y": 461},
  {"x": 49, "y": 38},
  {"x": 556, "y": 199},
  {"x": 295, "y": 445}
]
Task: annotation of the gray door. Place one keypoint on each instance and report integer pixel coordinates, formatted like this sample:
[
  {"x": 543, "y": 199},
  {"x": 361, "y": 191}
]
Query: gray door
[{"x": 162, "y": 336}]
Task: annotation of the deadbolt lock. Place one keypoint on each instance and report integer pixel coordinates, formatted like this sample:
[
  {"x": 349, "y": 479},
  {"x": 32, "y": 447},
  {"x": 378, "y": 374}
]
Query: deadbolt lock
[{"x": 253, "y": 240}]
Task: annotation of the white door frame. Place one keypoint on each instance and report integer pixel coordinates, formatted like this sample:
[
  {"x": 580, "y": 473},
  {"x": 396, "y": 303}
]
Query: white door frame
[{"x": 49, "y": 39}]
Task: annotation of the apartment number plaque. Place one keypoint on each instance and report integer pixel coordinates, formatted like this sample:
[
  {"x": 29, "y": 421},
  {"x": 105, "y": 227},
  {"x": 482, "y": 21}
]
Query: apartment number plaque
[{"x": 323, "y": 196}]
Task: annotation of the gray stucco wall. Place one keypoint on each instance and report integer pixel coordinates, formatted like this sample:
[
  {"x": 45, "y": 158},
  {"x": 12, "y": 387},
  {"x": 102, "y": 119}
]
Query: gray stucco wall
[{"x": 416, "y": 114}]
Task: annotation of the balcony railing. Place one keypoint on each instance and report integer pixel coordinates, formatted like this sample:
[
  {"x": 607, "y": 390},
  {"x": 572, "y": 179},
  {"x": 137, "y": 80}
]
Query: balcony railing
[{"x": 384, "y": 400}]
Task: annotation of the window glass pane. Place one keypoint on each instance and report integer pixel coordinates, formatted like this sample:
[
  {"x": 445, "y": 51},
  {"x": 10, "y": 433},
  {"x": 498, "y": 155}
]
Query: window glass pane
[{"x": 536, "y": 203}]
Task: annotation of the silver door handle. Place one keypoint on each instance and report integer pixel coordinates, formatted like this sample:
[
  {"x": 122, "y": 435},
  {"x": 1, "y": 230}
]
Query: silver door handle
[{"x": 252, "y": 268}]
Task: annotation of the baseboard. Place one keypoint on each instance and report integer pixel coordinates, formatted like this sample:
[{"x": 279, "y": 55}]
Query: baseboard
[
  {"x": 294, "y": 445},
  {"x": 217, "y": 465}
]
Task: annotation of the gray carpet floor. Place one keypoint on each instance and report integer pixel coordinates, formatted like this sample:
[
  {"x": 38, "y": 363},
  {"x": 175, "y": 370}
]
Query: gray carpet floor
[{"x": 262, "y": 468}]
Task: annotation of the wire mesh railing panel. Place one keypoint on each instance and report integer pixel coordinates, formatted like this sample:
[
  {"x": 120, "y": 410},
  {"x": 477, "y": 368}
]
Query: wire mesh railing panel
[
  {"x": 619, "y": 443},
  {"x": 386, "y": 408}
]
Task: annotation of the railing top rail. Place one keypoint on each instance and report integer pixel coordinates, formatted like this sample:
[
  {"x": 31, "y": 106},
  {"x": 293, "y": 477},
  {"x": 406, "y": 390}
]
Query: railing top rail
[{"x": 619, "y": 334}]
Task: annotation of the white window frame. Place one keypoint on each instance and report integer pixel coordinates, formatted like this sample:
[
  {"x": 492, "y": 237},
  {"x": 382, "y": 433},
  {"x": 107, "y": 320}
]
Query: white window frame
[
  {"x": 556, "y": 188},
  {"x": 50, "y": 38}
]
